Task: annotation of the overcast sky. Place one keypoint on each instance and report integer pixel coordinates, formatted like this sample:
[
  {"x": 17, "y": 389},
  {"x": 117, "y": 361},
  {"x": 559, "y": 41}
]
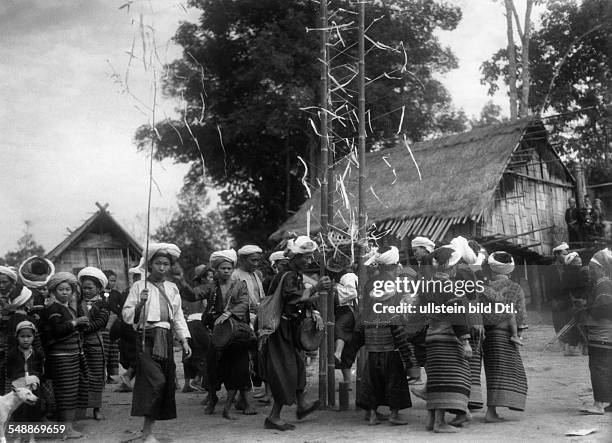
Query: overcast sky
[{"x": 66, "y": 128}]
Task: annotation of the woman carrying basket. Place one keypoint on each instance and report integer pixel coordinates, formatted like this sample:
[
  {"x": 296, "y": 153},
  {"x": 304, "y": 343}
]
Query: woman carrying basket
[
  {"x": 278, "y": 321},
  {"x": 153, "y": 307}
]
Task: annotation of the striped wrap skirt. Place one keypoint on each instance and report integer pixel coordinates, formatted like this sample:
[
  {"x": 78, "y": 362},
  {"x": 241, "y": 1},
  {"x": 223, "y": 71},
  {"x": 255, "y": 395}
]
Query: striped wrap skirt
[
  {"x": 69, "y": 375},
  {"x": 94, "y": 354},
  {"x": 475, "y": 362},
  {"x": 448, "y": 371},
  {"x": 504, "y": 370}
]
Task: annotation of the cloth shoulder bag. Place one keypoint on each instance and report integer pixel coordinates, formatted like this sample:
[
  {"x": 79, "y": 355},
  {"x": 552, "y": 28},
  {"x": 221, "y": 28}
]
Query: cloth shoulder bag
[{"x": 232, "y": 332}]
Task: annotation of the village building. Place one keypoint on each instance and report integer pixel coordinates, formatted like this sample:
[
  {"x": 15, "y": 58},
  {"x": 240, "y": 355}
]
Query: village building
[
  {"x": 101, "y": 242},
  {"x": 502, "y": 185}
]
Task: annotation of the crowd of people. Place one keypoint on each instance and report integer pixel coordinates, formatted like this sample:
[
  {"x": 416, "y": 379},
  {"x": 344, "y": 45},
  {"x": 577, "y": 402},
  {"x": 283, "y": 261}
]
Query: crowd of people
[{"x": 63, "y": 335}]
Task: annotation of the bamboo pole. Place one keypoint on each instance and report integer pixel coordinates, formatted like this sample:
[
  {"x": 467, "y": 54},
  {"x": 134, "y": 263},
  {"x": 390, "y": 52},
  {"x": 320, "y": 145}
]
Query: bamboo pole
[
  {"x": 324, "y": 295},
  {"x": 362, "y": 182}
]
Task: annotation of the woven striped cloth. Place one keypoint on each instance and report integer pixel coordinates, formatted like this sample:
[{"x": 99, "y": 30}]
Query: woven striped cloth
[
  {"x": 94, "y": 355},
  {"x": 69, "y": 376},
  {"x": 504, "y": 370},
  {"x": 448, "y": 372}
]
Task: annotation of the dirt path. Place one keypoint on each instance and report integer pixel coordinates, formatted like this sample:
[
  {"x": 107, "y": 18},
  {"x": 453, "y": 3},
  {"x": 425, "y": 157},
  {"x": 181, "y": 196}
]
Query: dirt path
[{"x": 558, "y": 387}]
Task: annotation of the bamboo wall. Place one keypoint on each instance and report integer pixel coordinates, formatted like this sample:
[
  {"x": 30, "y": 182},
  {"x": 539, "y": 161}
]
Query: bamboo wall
[
  {"x": 532, "y": 195},
  {"x": 102, "y": 251}
]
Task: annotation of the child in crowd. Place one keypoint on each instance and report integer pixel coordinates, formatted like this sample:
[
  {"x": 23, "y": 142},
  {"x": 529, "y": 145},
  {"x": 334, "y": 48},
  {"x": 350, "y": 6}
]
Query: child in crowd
[{"x": 24, "y": 370}]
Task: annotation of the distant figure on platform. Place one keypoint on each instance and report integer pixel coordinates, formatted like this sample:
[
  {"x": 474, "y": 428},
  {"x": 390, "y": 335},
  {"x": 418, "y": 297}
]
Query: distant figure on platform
[{"x": 571, "y": 218}]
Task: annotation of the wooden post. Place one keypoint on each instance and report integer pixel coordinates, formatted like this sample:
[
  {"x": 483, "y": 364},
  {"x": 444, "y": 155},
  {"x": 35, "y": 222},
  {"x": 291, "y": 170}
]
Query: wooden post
[
  {"x": 362, "y": 183},
  {"x": 324, "y": 295},
  {"x": 581, "y": 188}
]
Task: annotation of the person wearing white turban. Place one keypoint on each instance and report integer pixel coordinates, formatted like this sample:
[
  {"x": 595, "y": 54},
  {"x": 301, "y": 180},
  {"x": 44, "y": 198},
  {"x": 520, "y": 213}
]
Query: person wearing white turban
[
  {"x": 166, "y": 249},
  {"x": 8, "y": 279},
  {"x": 35, "y": 272},
  {"x": 228, "y": 298},
  {"x": 561, "y": 247},
  {"x": 153, "y": 308},
  {"x": 569, "y": 258},
  {"x": 249, "y": 258},
  {"x": 281, "y": 362},
  {"x": 218, "y": 257},
  {"x": 249, "y": 249},
  {"x": 93, "y": 281},
  {"x": 387, "y": 258},
  {"x": 460, "y": 244},
  {"x": 504, "y": 370},
  {"x": 422, "y": 246}
]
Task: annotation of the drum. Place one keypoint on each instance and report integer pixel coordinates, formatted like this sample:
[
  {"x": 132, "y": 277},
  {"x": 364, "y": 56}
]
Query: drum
[
  {"x": 233, "y": 332},
  {"x": 310, "y": 338}
]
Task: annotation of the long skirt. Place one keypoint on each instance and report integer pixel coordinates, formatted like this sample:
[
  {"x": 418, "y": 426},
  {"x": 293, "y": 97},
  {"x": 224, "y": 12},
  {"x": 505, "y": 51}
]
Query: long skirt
[
  {"x": 385, "y": 382},
  {"x": 128, "y": 346},
  {"x": 195, "y": 365},
  {"x": 94, "y": 354},
  {"x": 475, "y": 362},
  {"x": 70, "y": 377},
  {"x": 111, "y": 353},
  {"x": 229, "y": 367},
  {"x": 154, "y": 388},
  {"x": 448, "y": 373},
  {"x": 282, "y": 364},
  {"x": 600, "y": 366},
  {"x": 506, "y": 378}
]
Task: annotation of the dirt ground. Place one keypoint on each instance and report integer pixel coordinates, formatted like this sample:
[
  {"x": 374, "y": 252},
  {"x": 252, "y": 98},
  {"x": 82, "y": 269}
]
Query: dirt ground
[{"x": 558, "y": 387}]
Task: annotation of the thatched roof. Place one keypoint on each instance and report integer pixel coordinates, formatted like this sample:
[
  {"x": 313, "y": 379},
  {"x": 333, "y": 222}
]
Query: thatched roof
[
  {"x": 460, "y": 174},
  {"x": 101, "y": 218}
]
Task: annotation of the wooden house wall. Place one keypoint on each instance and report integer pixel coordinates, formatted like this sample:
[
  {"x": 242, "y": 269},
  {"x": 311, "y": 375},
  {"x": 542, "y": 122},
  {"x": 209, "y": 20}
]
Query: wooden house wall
[
  {"x": 103, "y": 251},
  {"x": 530, "y": 197}
]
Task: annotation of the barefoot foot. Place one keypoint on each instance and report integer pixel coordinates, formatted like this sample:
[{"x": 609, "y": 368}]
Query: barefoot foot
[{"x": 444, "y": 428}]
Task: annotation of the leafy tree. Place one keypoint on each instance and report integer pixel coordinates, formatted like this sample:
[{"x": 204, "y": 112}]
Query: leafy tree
[
  {"x": 489, "y": 115},
  {"x": 571, "y": 74},
  {"x": 248, "y": 83},
  {"x": 196, "y": 232},
  {"x": 26, "y": 247}
]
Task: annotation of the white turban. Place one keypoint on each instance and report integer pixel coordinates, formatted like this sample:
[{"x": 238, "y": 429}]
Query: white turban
[
  {"x": 138, "y": 269},
  {"x": 218, "y": 257},
  {"x": 94, "y": 273},
  {"x": 569, "y": 258},
  {"x": 163, "y": 248},
  {"x": 32, "y": 280},
  {"x": 391, "y": 257},
  {"x": 8, "y": 272},
  {"x": 499, "y": 267},
  {"x": 249, "y": 249},
  {"x": 562, "y": 247},
  {"x": 22, "y": 298},
  {"x": 301, "y": 245},
  {"x": 423, "y": 242},
  {"x": 460, "y": 244},
  {"x": 278, "y": 255}
]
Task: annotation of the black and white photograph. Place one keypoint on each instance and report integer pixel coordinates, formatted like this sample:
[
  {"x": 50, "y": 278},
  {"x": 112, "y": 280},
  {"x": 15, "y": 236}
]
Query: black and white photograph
[{"x": 306, "y": 220}]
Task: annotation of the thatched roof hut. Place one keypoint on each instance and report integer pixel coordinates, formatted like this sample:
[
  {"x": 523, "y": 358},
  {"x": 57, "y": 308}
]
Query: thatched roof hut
[
  {"x": 503, "y": 185},
  {"x": 101, "y": 242}
]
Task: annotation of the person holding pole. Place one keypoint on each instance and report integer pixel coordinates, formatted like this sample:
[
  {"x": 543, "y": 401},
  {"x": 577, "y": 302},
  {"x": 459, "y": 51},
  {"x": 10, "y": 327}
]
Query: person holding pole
[{"x": 153, "y": 308}]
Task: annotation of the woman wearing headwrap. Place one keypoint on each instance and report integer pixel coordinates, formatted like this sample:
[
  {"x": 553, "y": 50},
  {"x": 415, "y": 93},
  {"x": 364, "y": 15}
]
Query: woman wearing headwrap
[
  {"x": 64, "y": 348},
  {"x": 153, "y": 307},
  {"x": 93, "y": 281},
  {"x": 504, "y": 370},
  {"x": 386, "y": 341},
  {"x": 280, "y": 360},
  {"x": 448, "y": 348},
  {"x": 227, "y": 297},
  {"x": 599, "y": 322}
]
